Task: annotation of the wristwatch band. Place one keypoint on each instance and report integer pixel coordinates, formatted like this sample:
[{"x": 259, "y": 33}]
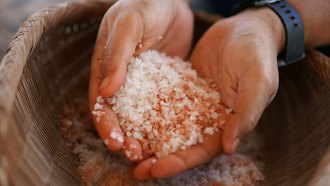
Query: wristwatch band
[{"x": 294, "y": 28}]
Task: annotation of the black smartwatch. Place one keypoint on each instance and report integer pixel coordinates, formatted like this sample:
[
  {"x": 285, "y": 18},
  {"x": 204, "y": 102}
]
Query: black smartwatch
[{"x": 294, "y": 27}]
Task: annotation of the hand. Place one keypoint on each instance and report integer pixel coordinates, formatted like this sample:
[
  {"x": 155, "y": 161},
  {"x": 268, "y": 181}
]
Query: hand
[
  {"x": 128, "y": 28},
  {"x": 240, "y": 54}
]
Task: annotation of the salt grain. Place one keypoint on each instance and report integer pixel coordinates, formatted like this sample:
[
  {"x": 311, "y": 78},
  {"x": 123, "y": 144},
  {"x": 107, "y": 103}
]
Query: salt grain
[
  {"x": 99, "y": 99},
  {"x": 153, "y": 161},
  {"x": 128, "y": 153},
  {"x": 98, "y": 106},
  {"x": 162, "y": 95},
  {"x": 99, "y": 166},
  {"x": 229, "y": 110},
  {"x": 208, "y": 130},
  {"x": 106, "y": 142},
  {"x": 114, "y": 134}
]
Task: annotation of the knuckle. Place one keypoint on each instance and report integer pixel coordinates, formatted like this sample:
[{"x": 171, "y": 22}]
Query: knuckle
[
  {"x": 268, "y": 80},
  {"x": 106, "y": 57}
]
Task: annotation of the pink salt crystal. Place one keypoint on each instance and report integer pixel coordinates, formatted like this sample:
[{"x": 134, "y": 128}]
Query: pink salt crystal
[
  {"x": 153, "y": 161},
  {"x": 164, "y": 104}
]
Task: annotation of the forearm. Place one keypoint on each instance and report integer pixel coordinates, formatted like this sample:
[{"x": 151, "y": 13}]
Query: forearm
[{"x": 316, "y": 17}]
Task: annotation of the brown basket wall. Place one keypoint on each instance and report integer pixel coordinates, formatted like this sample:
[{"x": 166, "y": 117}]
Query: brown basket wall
[{"x": 50, "y": 56}]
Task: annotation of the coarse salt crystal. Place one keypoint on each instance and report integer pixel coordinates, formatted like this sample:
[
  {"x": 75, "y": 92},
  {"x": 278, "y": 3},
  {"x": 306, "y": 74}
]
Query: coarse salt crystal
[
  {"x": 98, "y": 106},
  {"x": 137, "y": 135},
  {"x": 114, "y": 134},
  {"x": 99, "y": 99},
  {"x": 164, "y": 104},
  {"x": 229, "y": 110},
  {"x": 106, "y": 142},
  {"x": 128, "y": 153},
  {"x": 209, "y": 130}
]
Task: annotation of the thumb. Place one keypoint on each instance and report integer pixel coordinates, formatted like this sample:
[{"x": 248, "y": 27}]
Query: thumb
[
  {"x": 254, "y": 94},
  {"x": 123, "y": 37}
]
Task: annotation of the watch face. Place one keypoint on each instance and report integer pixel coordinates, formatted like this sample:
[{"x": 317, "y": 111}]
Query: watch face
[{"x": 265, "y": 2}]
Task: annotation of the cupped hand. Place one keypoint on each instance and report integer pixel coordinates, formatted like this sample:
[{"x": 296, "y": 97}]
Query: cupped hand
[
  {"x": 128, "y": 28},
  {"x": 240, "y": 55}
]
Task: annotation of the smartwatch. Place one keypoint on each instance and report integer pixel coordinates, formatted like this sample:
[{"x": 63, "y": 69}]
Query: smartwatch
[{"x": 294, "y": 28}]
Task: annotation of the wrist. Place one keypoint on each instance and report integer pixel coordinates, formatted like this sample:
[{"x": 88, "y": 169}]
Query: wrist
[
  {"x": 270, "y": 23},
  {"x": 314, "y": 15}
]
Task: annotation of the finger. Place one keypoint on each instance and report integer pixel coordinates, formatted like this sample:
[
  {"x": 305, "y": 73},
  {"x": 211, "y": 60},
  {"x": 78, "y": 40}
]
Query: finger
[
  {"x": 228, "y": 89},
  {"x": 132, "y": 149},
  {"x": 252, "y": 98},
  {"x": 142, "y": 171},
  {"x": 185, "y": 159},
  {"x": 107, "y": 124},
  {"x": 169, "y": 42},
  {"x": 124, "y": 34},
  {"x": 96, "y": 75},
  {"x": 108, "y": 128}
]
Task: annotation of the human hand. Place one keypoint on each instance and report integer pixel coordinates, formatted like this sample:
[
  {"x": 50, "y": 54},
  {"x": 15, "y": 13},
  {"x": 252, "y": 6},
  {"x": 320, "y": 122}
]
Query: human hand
[
  {"x": 128, "y": 28},
  {"x": 240, "y": 54}
]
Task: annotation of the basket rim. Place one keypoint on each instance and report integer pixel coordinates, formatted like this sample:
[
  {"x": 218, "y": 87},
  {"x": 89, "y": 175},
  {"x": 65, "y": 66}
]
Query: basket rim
[{"x": 28, "y": 36}]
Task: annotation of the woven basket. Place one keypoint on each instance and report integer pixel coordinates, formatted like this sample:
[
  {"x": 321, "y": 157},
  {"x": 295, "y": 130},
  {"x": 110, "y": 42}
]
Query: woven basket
[{"x": 49, "y": 57}]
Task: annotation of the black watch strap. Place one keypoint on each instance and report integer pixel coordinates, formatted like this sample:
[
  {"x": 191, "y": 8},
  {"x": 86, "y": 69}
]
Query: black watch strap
[
  {"x": 294, "y": 28},
  {"x": 293, "y": 24}
]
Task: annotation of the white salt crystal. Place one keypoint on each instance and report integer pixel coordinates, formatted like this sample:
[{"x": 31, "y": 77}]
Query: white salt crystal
[
  {"x": 128, "y": 153},
  {"x": 98, "y": 106},
  {"x": 229, "y": 110},
  {"x": 209, "y": 130},
  {"x": 163, "y": 103},
  {"x": 153, "y": 161},
  {"x": 114, "y": 134},
  {"x": 106, "y": 142},
  {"x": 99, "y": 99},
  {"x": 137, "y": 135}
]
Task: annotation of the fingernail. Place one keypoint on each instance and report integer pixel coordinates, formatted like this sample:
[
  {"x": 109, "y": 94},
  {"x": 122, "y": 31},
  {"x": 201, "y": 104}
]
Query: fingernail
[
  {"x": 104, "y": 84},
  {"x": 235, "y": 144}
]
